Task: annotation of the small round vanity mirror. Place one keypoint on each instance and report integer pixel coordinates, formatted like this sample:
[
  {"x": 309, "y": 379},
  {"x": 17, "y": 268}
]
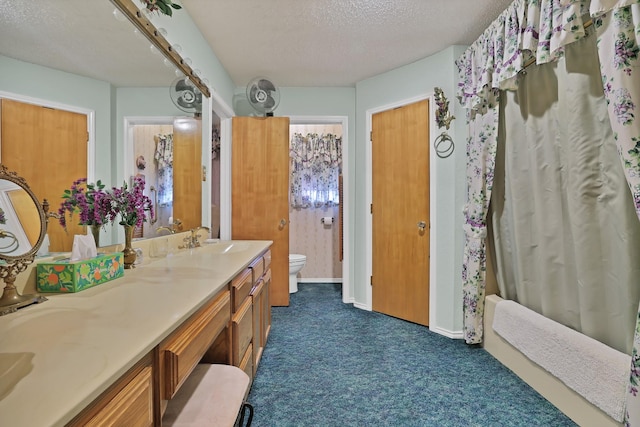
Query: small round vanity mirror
[{"x": 23, "y": 226}]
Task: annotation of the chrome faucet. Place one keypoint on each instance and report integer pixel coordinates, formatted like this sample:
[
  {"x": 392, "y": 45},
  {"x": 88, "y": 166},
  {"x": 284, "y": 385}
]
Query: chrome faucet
[{"x": 192, "y": 240}]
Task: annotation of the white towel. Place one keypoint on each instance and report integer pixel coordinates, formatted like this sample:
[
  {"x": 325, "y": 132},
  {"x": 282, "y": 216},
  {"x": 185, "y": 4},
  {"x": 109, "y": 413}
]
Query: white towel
[{"x": 594, "y": 370}]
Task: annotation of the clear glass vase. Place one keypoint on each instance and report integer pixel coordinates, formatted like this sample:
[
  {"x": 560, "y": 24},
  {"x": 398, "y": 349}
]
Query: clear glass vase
[{"x": 95, "y": 231}]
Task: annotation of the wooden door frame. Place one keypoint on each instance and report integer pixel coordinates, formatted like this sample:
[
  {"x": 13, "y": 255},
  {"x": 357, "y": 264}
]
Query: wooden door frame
[{"x": 433, "y": 261}]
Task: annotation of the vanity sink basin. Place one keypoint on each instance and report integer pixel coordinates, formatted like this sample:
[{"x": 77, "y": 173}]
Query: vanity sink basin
[
  {"x": 33, "y": 322},
  {"x": 226, "y": 247}
]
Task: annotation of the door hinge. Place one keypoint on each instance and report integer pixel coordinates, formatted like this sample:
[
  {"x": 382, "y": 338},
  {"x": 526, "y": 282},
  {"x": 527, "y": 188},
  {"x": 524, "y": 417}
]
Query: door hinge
[
  {"x": 371, "y": 136},
  {"x": 87, "y": 136},
  {"x": 371, "y": 280},
  {"x": 371, "y": 207},
  {"x": 204, "y": 173}
]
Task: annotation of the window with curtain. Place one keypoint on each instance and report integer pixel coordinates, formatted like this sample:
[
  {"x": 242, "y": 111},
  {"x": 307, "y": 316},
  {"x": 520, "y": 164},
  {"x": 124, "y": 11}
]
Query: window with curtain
[
  {"x": 316, "y": 163},
  {"x": 164, "y": 158}
]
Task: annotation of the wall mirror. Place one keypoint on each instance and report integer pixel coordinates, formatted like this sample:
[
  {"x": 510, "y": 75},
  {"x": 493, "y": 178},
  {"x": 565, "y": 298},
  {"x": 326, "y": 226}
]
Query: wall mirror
[
  {"x": 104, "y": 45},
  {"x": 23, "y": 226}
]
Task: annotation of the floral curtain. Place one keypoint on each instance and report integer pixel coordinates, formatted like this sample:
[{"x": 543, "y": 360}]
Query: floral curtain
[
  {"x": 316, "y": 162},
  {"x": 481, "y": 154},
  {"x": 536, "y": 31},
  {"x": 528, "y": 31},
  {"x": 164, "y": 158},
  {"x": 618, "y": 30}
]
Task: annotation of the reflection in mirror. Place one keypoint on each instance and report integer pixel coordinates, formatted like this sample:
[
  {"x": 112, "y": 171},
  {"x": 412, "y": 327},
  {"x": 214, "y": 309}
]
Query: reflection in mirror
[
  {"x": 94, "y": 56},
  {"x": 19, "y": 222},
  {"x": 153, "y": 157},
  {"x": 23, "y": 226}
]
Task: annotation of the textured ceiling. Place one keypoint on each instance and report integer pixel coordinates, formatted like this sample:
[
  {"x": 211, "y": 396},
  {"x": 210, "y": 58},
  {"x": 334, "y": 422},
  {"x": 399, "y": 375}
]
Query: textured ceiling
[
  {"x": 293, "y": 42},
  {"x": 89, "y": 41},
  {"x": 334, "y": 42}
]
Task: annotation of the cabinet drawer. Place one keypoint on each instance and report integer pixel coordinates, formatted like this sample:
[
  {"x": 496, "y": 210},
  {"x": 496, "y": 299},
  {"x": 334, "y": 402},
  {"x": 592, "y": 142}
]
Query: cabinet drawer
[
  {"x": 240, "y": 288},
  {"x": 132, "y": 406},
  {"x": 257, "y": 268},
  {"x": 267, "y": 259},
  {"x": 242, "y": 331},
  {"x": 182, "y": 351}
]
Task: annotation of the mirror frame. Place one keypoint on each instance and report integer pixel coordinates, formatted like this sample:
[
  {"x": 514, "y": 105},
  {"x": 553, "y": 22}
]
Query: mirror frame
[
  {"x": 11, "y": 300},
  {"x": 22, "y": 183}
]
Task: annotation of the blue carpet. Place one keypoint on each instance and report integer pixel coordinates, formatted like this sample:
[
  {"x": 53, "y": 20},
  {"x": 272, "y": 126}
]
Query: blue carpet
[{"x": 327, "y": 363}]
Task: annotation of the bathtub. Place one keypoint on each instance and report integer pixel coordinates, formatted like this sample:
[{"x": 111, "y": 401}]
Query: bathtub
[{"x": 571, "y": 403}]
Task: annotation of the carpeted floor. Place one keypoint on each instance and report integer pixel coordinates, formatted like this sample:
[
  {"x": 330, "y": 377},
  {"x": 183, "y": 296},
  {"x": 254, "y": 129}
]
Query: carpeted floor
[{"x": 329, "y": 364}]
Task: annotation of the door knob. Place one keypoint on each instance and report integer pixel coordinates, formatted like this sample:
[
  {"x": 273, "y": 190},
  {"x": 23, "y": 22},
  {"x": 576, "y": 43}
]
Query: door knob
[
  {"x": 283, "y": 222},
  {"x": 422, "y": 225}
]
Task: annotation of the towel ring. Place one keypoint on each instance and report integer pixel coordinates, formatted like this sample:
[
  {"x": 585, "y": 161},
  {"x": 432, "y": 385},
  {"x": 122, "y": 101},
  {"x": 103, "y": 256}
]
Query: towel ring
[{"x": 447, "y": 150}]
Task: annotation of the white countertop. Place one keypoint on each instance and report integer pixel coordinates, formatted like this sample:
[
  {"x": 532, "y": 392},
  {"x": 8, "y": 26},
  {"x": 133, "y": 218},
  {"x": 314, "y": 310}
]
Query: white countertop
[{"x": 58, "y": 356}]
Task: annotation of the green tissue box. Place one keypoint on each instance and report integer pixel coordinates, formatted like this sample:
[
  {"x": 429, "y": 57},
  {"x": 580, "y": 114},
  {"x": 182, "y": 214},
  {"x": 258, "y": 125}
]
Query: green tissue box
[{"x": 73, "y": 276}]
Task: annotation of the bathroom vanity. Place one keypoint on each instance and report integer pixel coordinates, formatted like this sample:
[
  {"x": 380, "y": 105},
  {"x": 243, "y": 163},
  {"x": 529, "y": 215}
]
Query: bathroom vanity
[{"x": 118, "y": 352}]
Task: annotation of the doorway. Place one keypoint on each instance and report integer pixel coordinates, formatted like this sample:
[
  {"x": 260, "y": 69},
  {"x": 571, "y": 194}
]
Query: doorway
[
  {"x": 315, "y": 203},
  {"x": 400, "y": 204},
  {"x": 146, "y": 141},
  {"x": 167, "y": 147},
  {"x": 342, "y": 221}
]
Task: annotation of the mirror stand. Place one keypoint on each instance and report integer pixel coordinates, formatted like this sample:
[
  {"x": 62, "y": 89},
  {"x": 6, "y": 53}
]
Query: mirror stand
[
  {"x": 11, "y": 299},
  {"x": 20, "y": 212}
]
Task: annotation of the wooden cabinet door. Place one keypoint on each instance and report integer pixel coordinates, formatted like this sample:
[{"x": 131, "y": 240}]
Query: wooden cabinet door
[
  {"x": 129, "y": 402},
  {"x": 260, "y": 192},
  {"x": 187, "y": 172}
]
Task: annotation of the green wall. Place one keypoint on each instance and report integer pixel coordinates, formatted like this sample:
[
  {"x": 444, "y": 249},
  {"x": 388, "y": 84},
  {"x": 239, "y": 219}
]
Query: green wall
[{"x": 418, "y": 78}]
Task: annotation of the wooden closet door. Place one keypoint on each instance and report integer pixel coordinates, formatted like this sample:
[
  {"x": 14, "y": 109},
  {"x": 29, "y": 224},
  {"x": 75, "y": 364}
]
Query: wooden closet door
[
  {"x": 400, "y": 212},
  {"x": 260, "y": 192},
  {"x": 48, "y": 148}
]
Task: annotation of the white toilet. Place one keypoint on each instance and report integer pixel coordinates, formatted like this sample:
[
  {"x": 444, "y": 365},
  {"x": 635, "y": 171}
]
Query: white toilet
[{"x": 296, "y": 263}]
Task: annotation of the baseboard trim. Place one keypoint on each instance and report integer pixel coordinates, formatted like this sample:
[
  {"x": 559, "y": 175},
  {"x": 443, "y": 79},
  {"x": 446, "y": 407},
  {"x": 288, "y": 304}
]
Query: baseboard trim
[
  {"x": 320, "y": 280},
  {"x": 361, "y": 306},
  {"x": 456, "y": 335}
]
